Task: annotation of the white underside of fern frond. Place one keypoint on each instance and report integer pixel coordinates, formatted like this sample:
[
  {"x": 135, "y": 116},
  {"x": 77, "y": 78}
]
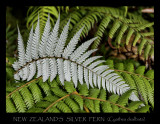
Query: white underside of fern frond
[
  {"x": 49, "y": 57},
  {"x": 39, "y": 68},
  {"x": 53, "y": 68}
]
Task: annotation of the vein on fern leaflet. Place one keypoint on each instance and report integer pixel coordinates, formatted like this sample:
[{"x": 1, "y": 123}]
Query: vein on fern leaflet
[{"x": 50, "y": 57}]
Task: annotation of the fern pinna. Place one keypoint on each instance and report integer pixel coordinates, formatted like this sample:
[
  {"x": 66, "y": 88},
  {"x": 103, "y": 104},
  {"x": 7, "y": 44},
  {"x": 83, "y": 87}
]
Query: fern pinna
[{"x": 47, "y": 56}]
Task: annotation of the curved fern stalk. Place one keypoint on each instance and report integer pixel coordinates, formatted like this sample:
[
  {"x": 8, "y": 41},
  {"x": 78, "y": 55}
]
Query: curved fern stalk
[{"x": 50, "y": 57}]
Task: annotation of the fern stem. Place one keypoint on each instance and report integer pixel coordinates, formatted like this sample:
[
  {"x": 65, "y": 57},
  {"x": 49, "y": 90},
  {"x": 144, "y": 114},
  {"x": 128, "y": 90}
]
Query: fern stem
[
  {"x": 76, "y": 93},
  {"x": 109, "y": 102},
  {"x": 22, "y": 87},
  {"x": 110, "y": 44},
  {"x": 86, "y": 109},
  {"x": 56, "y": 102}
]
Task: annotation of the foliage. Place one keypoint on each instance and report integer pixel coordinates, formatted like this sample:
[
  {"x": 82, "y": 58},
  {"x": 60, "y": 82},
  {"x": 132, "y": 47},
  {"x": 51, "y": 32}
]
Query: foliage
[
  {"x": 43, "y": 11},
  {"x": 50, "y": 78},
  {"x": 50, "y": 57},
  {"x": 49, "y": 92},
  {"x": 119, "y": 30},
  {"x": 68, "y": 99}
]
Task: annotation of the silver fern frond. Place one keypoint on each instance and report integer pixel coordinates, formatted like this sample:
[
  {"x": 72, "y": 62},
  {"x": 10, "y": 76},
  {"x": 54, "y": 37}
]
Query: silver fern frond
[
  {"x": 35, "y": 43},
  {"x": 43, "y": 43},
  {"x": 53, "y": 39},
  {"x": 21, "y": 51},
  {"x": 61, "y": 41},
  {"x": 28, "y": 49},
  {"x": 72, "y": 44},
  {"x": 48, "y": 57}
]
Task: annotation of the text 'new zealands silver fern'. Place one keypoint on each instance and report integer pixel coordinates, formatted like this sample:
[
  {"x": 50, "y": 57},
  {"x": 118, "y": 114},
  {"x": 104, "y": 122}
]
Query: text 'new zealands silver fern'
[{"x": 48, "y": 57}]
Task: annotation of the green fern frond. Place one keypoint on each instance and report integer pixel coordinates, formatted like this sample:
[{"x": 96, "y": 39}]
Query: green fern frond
[
  {"x": 143, "y": 26},
  {"x": 97, "y": 106},
  {"x": 102, "y": 94},
  {"x": 140, "y": 70},
  {"x": 121, "y": 33},
  {"x": 119, "y": 66},
  {"x": 92, "y": 105},
  {"x": 69, "y": 87},
  {"x": 151, "y": 53},
  {"x": 129, "y": 67},
  {"x": 53, "y": 83},
  {"x": 79, "y": 100},
  {"x": 19, "y": 103},
  {"x": 27, "y": 96},
  {"x": 53, "y": 109},
  {"x": 106, "y": 107},
  {"x": 83, "y": 90},
  {"x": 143, "y": 109},
  {"x": 75, "y": 17},
  {"x": 146, "y": 51},
  {"x": 51, "y": 98},
  {"x": 137, "y": 37},
  {"x": 96, "y": 101},
  {"x": 42, "y": 104},
  {"x": 35, "y": 90},
  {"x": 114, "y": 98},
  {"x": 75, "y": 102},
  {"x": 110, "y": 15},
  {"x": 72, "y": 104},
  {"x": 43, "y": 11},
  {"x": 123, "y": 100},
  {"x": 140, "y": 47},
  {"x": 114, "y": 28},
  {"x": 150, "y": 74},
  {"x": 134, "y": 105},
  {"x": 88, "y": 23},
  {"x": 45, "y": 87},
  {"x": 10, "y": 108},
  {"x": 58, "y": 92},
  {"x": 63, "y": 107},
  {"x": 141, "y": 88},
  {"x": 35, "y": 110},
  {"x": 130, "y": 32},
  {"x": 101, "y": 28},
  {"x": 149, "y": 91},
  {"x": 110, "y": 63}
]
